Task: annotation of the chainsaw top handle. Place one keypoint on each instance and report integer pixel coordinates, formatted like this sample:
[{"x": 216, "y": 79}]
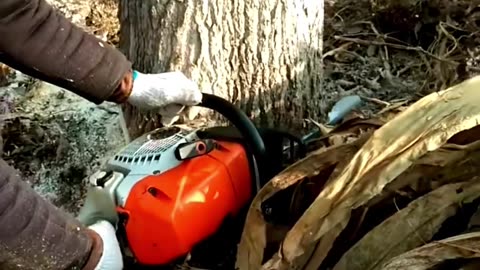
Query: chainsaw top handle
[{"x": 246, "y": 128}]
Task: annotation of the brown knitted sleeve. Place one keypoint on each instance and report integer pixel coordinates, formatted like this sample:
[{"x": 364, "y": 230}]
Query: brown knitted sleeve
[
  {"x": 39, "y": 41},
  {"x": 36, "y": 235}
]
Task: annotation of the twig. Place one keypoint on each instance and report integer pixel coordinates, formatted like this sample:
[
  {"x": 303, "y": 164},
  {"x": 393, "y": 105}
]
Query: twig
[
  {"x": 323, "y": 129},
  {"x": 450, "y": 36},
  {"x": 406, "y": 68},
  {"x": 341, "y": 49},
  {"x": 337, "y": 14},
  {"x": 383, "y": 36},
  {"x": 376, "y": 100},
  {"x": 383, "y": 54},
  {"x": 338, "y": 49},
  {"x": 387, "y": 74},
  {"x": 393, "y": 106},
  {"x": 395, "y": 46}
]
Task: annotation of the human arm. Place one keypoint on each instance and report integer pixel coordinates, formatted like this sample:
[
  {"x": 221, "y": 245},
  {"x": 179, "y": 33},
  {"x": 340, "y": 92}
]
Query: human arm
[
  {"x": 39, "y": 41},
  {"x": 36, "y": 235}
]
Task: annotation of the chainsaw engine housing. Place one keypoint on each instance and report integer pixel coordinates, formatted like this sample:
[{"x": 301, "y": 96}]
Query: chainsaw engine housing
[{"x": 175, "y": 189}]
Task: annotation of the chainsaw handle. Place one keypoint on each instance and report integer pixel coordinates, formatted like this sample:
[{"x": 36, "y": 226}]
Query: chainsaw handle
[{"x": 240, "y": 120}]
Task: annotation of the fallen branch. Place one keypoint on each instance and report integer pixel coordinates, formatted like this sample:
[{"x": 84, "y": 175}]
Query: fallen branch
[{"x": 395, "y": 46}]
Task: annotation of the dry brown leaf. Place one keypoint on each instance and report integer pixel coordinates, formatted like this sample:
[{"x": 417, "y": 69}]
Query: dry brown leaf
[
  {"x": 253, "y": 242},
  {"x": 409, "y": 228},
  {"x": 445, "y": 165},
  {"x": 425, "y": 175},
  {"x": 425, "y": 257},
  {"x": 424, "y": 126}
]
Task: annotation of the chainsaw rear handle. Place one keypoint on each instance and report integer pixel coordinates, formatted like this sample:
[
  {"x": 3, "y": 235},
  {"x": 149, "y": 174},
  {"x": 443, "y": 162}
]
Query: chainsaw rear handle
[{"x": 240, "y": 120}]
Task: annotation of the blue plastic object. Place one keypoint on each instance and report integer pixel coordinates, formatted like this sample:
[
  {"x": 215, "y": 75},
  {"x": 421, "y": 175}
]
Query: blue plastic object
[
  {"x": 135, "y": 74},
  {"x": 344, "y": 106}
]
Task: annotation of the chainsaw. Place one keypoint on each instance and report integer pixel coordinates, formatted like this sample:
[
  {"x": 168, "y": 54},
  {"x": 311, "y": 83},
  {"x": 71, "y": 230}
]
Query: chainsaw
[{"x": 174, "y": 187}]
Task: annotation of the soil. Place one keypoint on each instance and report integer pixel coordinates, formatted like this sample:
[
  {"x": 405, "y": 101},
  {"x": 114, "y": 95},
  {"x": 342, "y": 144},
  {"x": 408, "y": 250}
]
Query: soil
[{"x": 55, "y": 138}]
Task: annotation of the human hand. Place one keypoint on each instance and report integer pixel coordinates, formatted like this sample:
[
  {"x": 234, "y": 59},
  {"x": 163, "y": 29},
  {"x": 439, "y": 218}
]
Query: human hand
[
  {"x": 111, "y": 258},
  {"x": 167, "y": 93}
]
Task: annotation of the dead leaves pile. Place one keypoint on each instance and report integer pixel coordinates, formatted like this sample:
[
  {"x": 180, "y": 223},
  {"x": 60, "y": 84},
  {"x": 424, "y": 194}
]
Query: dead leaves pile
[{"x": 402, "y": 195}]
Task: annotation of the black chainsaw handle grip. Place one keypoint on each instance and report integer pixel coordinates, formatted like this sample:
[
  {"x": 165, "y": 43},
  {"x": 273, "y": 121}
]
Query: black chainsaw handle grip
[{"x": 240, "y": 120}]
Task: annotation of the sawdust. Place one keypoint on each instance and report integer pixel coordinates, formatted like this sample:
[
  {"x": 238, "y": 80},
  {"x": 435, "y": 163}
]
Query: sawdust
[{"x": 55, "y": 138}]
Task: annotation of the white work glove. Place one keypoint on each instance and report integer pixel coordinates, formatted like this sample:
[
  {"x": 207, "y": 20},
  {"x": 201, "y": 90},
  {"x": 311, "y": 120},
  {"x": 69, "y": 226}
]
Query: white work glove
[
  {"x": 112, "y": 255},
  {"x": 165, "y": 93},
  {"x": 99, "y": 214}
]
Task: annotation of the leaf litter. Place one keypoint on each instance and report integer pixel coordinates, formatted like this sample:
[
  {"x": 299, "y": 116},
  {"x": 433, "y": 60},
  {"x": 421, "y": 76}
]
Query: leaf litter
[{"x": 422, "y": 128}]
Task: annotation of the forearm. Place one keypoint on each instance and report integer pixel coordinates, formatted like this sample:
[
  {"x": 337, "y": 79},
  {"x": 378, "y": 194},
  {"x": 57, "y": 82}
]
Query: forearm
[
  {"x": 40, "y": 42},
  {"x": 36, "y": 235}
]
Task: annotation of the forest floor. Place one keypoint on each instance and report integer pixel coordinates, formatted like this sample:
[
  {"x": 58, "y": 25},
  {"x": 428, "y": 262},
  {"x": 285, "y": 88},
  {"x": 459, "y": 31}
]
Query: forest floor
[
  {"x": 389, "y": 51},
  {"x": 384, "y": 54}
]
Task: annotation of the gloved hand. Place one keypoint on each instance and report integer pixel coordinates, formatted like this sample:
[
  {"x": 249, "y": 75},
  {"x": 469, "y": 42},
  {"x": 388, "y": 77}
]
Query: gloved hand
[
  {"x": 112, "y": 255},
  {"x": 99, "y": 214},
  {"x": 166, "y": 93}
]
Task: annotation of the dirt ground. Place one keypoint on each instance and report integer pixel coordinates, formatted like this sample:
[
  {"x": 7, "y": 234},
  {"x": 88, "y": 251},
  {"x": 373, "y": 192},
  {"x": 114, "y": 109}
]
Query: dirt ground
[
  {"x": 56, "y": 139},
  {"x": 382, "y": 53}
]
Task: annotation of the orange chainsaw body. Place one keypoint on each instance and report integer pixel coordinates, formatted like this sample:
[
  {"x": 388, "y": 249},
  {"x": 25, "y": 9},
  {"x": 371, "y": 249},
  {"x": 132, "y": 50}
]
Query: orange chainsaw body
[{"x": 169, "y": 213}]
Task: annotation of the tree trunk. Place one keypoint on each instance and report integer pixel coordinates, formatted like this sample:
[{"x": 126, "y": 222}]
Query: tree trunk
[{"x": 265, "y": 56}]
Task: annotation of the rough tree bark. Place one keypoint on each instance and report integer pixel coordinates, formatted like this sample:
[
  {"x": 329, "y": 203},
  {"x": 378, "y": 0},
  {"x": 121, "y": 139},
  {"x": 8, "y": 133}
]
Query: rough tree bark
[{"x": 263, "y": 55}]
